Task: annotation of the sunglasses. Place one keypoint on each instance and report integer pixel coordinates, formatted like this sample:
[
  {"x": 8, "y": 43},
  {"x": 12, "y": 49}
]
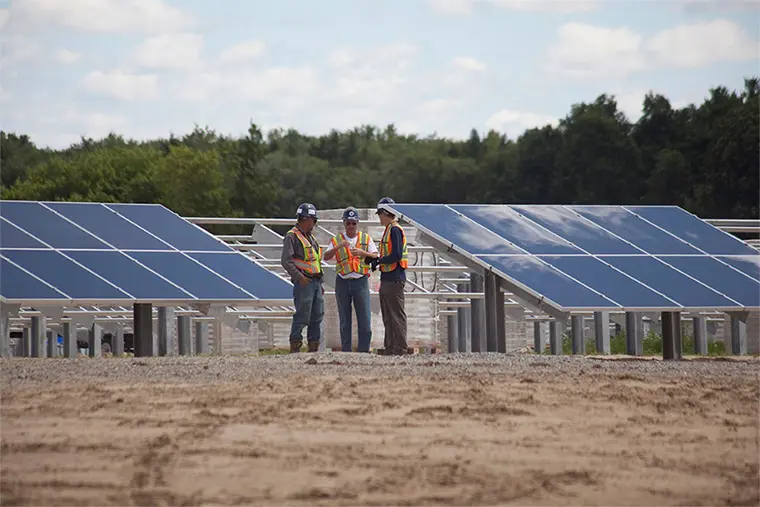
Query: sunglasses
[{"x": 350, "y": 222}]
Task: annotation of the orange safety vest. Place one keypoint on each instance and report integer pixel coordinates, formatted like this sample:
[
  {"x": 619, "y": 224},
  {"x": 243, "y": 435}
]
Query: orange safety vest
[
  {"x": 386, "y": 247},
  {"x": 346, "y": 261},
  {"x": 311, "y": 264}
]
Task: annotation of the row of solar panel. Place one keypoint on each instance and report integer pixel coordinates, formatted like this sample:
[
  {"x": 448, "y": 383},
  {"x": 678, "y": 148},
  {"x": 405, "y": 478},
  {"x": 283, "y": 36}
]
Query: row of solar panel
[
  {"x": 550, "y": 230},
  {"x": 154, "y": 276},
  {"x": 95, "y": 226},
  {"x": 636, "y": 281},
  {"x": 603, "y": 256}
]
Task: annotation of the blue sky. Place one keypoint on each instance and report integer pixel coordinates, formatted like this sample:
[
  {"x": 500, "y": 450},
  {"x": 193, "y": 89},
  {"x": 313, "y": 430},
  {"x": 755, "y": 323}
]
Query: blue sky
[{"x": 145, "y": 68}]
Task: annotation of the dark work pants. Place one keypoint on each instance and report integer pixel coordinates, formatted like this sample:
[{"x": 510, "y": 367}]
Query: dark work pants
[
  {"x": 394, "y": 316},
  {"x": 310, "y": 309}
]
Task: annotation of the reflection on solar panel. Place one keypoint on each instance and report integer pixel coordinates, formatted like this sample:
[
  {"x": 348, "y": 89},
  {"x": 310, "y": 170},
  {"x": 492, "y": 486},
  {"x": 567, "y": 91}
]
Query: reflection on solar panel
[
  {"x": 78, "y": 253},
  {"x": 587, "y": 258}
]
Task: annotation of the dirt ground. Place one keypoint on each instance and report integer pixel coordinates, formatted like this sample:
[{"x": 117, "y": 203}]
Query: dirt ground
[{"x": 427, "y": 430}]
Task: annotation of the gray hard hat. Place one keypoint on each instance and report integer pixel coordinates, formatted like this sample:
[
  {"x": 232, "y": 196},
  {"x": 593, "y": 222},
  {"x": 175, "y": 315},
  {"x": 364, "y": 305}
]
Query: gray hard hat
[{"x": 351, "y": 214}]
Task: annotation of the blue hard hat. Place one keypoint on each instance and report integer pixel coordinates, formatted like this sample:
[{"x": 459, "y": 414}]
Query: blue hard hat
[
  {"x": 307, "y": 210},
  {"x": 351, "y": 214}
]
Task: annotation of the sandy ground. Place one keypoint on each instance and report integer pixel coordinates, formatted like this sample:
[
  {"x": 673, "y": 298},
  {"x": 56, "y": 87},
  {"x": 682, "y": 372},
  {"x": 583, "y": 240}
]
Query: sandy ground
[{"x": 350, "y": 430}]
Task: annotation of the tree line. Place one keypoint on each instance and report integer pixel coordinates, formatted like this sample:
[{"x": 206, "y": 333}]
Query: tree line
[{"x": 703, "y": 157}]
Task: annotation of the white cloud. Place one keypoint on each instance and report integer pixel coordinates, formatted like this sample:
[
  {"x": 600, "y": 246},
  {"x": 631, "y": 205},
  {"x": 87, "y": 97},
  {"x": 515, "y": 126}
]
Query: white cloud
[
  {"x": 437, "y": 106},
  {"x": 66, "y": 56},
  {"x": 469, "y": 63},
  {"x": 130, "y": 87},
  {"x": 699, "y": 6},
  {"x": 250, "y": 50},
  {"x": 169, "y": 51},
  {"x": 515, "y": 122},
  {"x": 105, "y": 16},
  {"x": 588, "y": 51},
  {"x": 701, "y": 44},
  {"x": 463, "y": 7}
]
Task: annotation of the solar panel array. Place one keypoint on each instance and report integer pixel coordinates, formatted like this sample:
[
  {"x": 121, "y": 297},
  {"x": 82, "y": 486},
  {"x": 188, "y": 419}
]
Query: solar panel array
[
  {"x": 585, "y": 258},
  {"x": 69, "y": 253}
]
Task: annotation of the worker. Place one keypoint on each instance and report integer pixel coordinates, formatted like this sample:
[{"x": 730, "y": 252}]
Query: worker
[
  {"x": 351, "y": 249},
  {"x": 393, "y": 261},
  {"x": 302, "y": 259}
]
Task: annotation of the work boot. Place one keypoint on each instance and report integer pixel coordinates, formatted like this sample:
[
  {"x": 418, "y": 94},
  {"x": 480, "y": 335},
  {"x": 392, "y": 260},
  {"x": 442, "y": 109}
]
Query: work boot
[
  {"x": 295, "y": 347},
  {"x": 313, "y": 346}
]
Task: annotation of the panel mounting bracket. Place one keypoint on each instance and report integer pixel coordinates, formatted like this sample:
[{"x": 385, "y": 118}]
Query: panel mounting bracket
[{"x": 741, "y": 315}]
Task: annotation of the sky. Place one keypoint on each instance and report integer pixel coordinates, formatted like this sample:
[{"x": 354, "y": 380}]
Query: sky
[{"x": 148, "y": 68}]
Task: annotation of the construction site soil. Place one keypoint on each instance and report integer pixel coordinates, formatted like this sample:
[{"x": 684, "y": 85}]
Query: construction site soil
[{"x": 351, "y": 429}]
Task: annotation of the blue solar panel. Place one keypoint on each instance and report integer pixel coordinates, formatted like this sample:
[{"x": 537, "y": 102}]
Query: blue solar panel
[
  {"x": 670, "y": 282},
  {"x": 601, "y": 256},
  {"x": 13, "y": 237},
  {"x": 631, "y": 228},
  {"x": 18, "y": 284},
  {"x": 601, "y": 277},
  {"x": 170, "y": 227},
  {"x": 200, "y": 281},
  {"x": 543, "y": 280},
  {"x": 124, "y": 252},
  {"x": 248, "y": 275},
  {"x": 566, "y": 224},
  {"x": 747, "y": 264},
  {"x": 507, "y": 223},
  {"x": 128, "y": 275},
  {"x": 47, "y": 226},
  {"x": 720, "y": 277},
  {"x": 65, "y": 275},
  {"x": 109, "y": 226},
  {"x": 456, "y": 229},
  {"x": 693, "y": 230}
]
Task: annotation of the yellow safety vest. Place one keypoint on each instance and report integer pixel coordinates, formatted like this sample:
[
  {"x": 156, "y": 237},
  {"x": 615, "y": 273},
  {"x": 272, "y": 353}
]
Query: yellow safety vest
[
  {"x": 311, "y": 264},
  {"x": 346, "y": 261},
  {"x": 386, "y": 247}
]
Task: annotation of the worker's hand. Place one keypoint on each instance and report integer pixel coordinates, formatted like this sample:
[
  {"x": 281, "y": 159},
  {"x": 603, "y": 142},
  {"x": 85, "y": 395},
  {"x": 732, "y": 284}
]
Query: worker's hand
[
  {"x": 344, "y": 244},
  {"x": 358, "y": 252},
  {"x": 303, "y": 281}
]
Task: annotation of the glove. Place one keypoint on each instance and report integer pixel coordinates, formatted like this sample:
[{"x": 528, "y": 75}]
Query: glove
[{"x": 372, "y": 261}]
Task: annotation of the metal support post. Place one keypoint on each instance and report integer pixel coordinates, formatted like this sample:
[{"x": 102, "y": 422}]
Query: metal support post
[
  {"x": 38, "y": 335},
  {"x": 602, "y": 332},
  {"x": 165, "y": 331},
  {"x": 96, "y": 339},
  {"x": 184, "y": 335},
  {"x": 52, "y": 343},
  {"x": 463, "y": 321},
  {"x": 201, "y": 337},
  {"x": 555, "y": 338},
  {"x": 70, "y": 348},
  {"x": 5, "y": 332},
  {"x": 634, "y": 343},
  {"x": 578, "y": 335},
  {"x": 26, "y": 342},
  {"x": 117, "y": 339},
  {"x": 498, "y": 302},
  {"x": 491, "y": 341},
  {"x": 477, "y": 315},
  {"x": 672, "y": 343},
  {"x": 738, "y": 336},
  {"x": 700, "y": 335},
  {"x": 143, "y": 329},
  {"x": 538, "y": 338},
  {"x": 451, "y": 334}
]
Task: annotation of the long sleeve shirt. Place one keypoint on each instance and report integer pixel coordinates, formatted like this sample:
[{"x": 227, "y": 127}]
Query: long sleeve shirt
[
  {"x": 292, "y": 248},
  {"x": 398, "y": 273}
]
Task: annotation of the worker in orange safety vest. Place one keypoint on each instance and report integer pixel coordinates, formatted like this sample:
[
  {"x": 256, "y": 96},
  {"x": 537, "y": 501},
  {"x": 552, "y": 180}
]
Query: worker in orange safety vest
[
  {"x": 350, "y": 249},
  {"x": 302, "y": 259}
]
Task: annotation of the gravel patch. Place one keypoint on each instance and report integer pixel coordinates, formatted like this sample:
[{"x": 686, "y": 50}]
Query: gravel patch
[{"x": 205, "y": 369}]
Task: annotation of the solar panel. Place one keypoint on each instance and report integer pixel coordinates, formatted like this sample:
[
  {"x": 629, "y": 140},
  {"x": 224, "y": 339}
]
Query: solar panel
[
  {"x": 588, "y": 258},
  {"x": 122, "y": 253}
]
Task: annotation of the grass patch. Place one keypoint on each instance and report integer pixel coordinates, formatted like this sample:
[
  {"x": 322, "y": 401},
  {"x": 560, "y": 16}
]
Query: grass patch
[{"x": 651, "y": 345}]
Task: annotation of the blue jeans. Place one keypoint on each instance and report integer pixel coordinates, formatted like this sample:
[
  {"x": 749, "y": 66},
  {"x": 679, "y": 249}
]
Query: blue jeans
[
  {"x": 354, "y": 290},
  {"x": 310, "y": 309}
]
